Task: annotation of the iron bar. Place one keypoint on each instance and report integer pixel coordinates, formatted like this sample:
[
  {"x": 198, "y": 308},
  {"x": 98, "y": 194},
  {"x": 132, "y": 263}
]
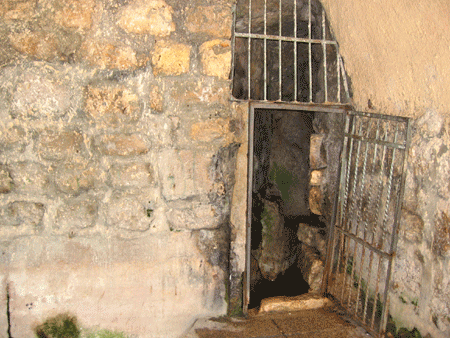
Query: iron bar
[
  {"x": 279, "y": 52},
  {"x": 338, "y": 75},
  {"x": 249, "y": 58},
  {"x": 295, "y": 52},
  {"x": 324, "y": 47},
  {"x": 374, "y": 141},
  {"x": 284, "y": 38},
  {"x": 265, "y": 50},
  {"x": 309, "y": 51}
]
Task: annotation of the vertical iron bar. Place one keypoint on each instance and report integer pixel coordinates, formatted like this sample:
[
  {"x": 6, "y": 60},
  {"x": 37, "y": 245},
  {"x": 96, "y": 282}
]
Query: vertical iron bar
[
  {"x": 295, "y": 52},
  {"x": 233, "y": 47},
  {"x": 338, "y": 71},
  {"x": 309, "y": 51},
  {"x": 324, "y": 47},
  {"x": 265, "y": 50},
  {"x": 279, "y": 52},
  {"x": 344, "y": 78},
  {"x": 249, "y": 59},
  {"x": 251, "y": 127}
]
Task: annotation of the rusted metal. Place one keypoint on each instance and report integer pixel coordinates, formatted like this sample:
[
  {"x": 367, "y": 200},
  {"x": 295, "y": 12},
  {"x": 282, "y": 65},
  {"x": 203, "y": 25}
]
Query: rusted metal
[
  {"x": 288, "y": 44},
  {"x": 364, "y": 229}
]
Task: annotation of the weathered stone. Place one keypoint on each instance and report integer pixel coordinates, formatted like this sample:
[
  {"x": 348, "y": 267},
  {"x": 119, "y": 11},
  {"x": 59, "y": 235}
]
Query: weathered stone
[
  {"x": 23, "y": 213},
  {"x": 13, "y": 138},
  {"x": 308, "y": 301},
  {"x": 316, "y": 200},
  {"x": 127, "y": 211},
  {"x": 192, "y": 215},
  {"x": 317, "y": 177},
  {"x": 41, "y": 96},
  {"x": 156, "y": 99},
  {"x": 170, "y": 58},
  {"x": 316, "y": 156},
  {"x": 184, "y": 173},
  {"x": 122, "y": 145},
  {"x": 6, "y": 182},
  {"x": 216, "y": 58},
  {"x": 312, "y": 237},
  {"x": 441, "y": 243},
  {"x": 106, "y": 55},
  {"x": 210, "y": 20},
  {"x": 29, "y": 177},
  {"x": 15, "y": 10},
  {"x": 75, "y": 14},
  {"x": 112, "y": 105},
  {"x": 272, "y": 256},
  {"x": 36, "y": 44},
  {"x": 202, "y": 91},
  {"x": 147, "y": 17},
  {"x": 208, "y": 131},
  {"x": 77, "y": 213},
  {"x": 54, "y": 145},
  {"x": 73, "y": 177},
  {"x": 131, "y": 174},
  {"x": 411, "y": 226},
  {"x": 312, "y": 268}
]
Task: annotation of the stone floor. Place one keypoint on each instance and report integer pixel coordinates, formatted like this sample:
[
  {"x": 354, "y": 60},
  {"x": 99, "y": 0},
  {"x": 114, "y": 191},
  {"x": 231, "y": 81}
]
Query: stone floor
[{"x": 324, "y": 322}]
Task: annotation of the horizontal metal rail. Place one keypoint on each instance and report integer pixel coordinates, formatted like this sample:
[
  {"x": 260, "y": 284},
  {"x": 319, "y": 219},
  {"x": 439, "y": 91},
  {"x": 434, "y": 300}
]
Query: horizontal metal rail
[{"x": 283, "y": 38}]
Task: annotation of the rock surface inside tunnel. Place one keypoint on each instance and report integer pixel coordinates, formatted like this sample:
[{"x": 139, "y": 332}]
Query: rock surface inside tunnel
[{"x": 295, "y": 161}]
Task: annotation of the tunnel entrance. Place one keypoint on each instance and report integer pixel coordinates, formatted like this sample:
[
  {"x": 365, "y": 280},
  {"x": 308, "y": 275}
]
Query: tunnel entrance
[{"x": 294, "y": 164}]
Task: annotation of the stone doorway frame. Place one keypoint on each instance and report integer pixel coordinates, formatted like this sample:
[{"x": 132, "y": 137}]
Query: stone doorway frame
[{"x": 300, "y": 107}]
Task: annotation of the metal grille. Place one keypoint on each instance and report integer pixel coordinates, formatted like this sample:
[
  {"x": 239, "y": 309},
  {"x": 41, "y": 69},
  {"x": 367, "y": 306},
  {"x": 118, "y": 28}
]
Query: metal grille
[
  {"x": 364, "y": 236},
  {"x": 284, "y": 52}
]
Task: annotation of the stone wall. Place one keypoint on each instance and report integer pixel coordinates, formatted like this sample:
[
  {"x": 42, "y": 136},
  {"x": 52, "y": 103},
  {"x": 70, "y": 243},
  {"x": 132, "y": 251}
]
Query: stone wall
[{"x": 118, "y": 149}]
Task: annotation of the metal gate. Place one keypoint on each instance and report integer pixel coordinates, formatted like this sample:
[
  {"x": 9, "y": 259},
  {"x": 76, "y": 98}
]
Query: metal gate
[{"x": 363, "y": 234}]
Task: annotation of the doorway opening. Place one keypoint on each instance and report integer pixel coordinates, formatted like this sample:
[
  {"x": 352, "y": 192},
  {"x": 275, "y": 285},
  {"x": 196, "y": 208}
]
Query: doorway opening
[{"x": 293, "y": 171}]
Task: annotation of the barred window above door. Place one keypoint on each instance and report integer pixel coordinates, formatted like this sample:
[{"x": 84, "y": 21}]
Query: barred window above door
[{"x": 284, "y": 51}]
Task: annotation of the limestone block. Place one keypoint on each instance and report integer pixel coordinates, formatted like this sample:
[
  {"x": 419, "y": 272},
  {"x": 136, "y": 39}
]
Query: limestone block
[
  {"x": 184, "y": 173},
  {"x": 106, "y": 55},
  {"x": 122, "y": 144},
  {"x": 41, "y": 96},
  {"x": 132, "y": 174},
  {"x": 77, "y": 213},
  {"x": 190, "y": 215},
  {"x": 147, "y": 17},
  {"x": 210, "y": 130},
  {"x": 312, "y": 268},
  {"x": 312, "y": 237},
  {"x": 13, "y": 138},
  {"x": 156, "y": 99},
  {"x": 106, "y": 282},
  {"x": 129, "y": 211},
  {"x": 211, "y": 20},
  {"x": 29, "y": 177},
  {"x": 441, "y": 243},
  {"x": 35, "y": 44},
  {"x": 6, "y": 182},
  {"x": 112, "y": 105},
  {"x": 170, "y": 58},
  {"x": 23, "y": 213},
  {"x": 200, "y": 91},
  {"x": 74, "y": 177},
  {"x": 308, "y": 301},
  {"x": 316, "y": 200},
  {"x": 59, "y": 145},
  {"x": 15, "y": 10},
  {"x": 317, "y": 177},
  {"x": 411, "y": 226},
  {"x": 216, "y": 58},
  {"x": 75, "y": 14},
  {"x": 317, "y": 158}
]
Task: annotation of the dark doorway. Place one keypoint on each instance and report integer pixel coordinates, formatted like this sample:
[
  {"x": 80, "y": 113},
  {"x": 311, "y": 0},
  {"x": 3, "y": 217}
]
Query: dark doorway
[{"x": 280, "y": 202}]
